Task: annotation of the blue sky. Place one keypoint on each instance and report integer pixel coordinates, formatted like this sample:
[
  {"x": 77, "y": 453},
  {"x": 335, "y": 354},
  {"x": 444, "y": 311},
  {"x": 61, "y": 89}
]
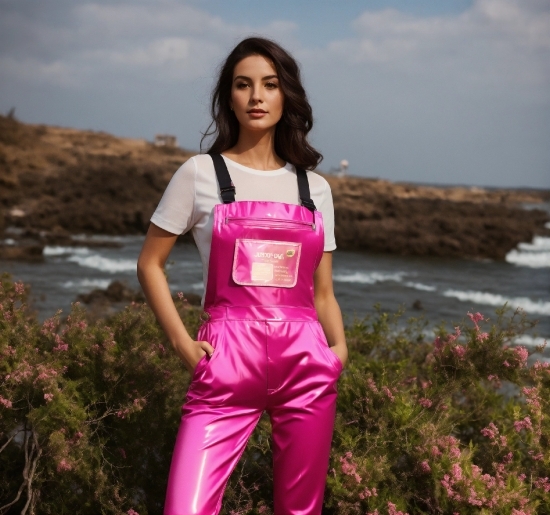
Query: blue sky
[{"x": 449, "y": 92}]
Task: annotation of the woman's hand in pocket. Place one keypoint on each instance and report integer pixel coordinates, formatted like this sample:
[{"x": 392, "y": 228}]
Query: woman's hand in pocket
[
  {"x": 341, "y": 352},
  {"x": 198, "y": 350}
]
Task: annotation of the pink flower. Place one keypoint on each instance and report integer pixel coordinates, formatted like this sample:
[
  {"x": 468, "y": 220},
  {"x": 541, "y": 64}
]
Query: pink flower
[
  {"x": 521, "y": 354},
  {"x": 388, "y": 393},
  {"x": 491, "y": 431},
  {"x": 475, "y": 318},
  {"x": 48, "y": 397},
  {"x": 426, "y": 403},
  {"x": 132, "y": 512},
  {"x": 19, "y": 288},
  {"x": 5, "y": 402},
  {"x": 459, "y": 351},
  {"x": 505, "y": 363},
  {"x": 63, "y": 466},
  {"x": 543, "y": 482},
  {"x": 392, "y": 510},
  {"x": 456, "y": 472},
  {"x": 523, "y": 424},
  {"x": 435, "y": 451},
  {"x": 508, "y": 458},
  {"x": 366, "y": 493},
  {"x": 425, "y": 466},
  {"x": 481, "y": 337}
]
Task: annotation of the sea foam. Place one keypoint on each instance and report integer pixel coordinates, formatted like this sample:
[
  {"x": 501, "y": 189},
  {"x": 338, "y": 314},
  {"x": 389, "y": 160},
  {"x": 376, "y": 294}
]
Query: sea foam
[
  {"x": 86, "y": 284},
  {"x": 58, "y": 250},
  {"x": 532, "y": 255},
  {"x": 104, "y": 264},
  {"x": 369, "y": 277},
  {"x": 535, "y": 307}
]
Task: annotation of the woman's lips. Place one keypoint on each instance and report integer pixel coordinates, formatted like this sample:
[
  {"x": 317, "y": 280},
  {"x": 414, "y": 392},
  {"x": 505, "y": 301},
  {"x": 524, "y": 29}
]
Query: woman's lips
[{"x": 256, "y": 113}]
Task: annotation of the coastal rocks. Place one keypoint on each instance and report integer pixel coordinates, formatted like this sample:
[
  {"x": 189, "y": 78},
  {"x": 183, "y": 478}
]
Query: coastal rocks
[
  {"x": 56, "y": 182},
  {"x": 368, "y": 217},
  {"x": 103, "y": 302}
]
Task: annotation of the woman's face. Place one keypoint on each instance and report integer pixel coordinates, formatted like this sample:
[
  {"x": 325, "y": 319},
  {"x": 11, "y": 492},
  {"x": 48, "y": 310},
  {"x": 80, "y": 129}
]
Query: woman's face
[{"x": 256, "y": 98}]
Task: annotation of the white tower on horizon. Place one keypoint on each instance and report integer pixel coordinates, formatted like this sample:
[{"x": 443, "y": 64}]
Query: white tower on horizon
[{"x": 344, "y": 164}]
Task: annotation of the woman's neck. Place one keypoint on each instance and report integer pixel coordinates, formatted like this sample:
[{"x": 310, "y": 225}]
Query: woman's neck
[{"x": 256, "y": 150}]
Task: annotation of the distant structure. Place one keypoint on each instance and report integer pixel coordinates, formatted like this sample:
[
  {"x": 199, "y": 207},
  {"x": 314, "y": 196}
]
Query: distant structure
[
  {"x": 342, "y": 171},
  {"x": 165, "y": 140}
]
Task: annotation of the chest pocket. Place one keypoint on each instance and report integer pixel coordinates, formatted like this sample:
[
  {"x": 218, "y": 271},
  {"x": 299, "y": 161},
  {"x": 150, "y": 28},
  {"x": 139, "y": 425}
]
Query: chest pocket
[{"x": 266, "y": 263}]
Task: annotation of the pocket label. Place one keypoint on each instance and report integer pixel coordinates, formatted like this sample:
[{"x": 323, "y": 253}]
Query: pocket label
[{"x": 266, "y": 263}]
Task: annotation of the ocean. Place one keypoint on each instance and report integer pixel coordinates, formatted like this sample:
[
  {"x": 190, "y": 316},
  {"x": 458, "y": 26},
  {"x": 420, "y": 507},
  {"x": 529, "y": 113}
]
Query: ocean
[{"x": 441, "y": 290}]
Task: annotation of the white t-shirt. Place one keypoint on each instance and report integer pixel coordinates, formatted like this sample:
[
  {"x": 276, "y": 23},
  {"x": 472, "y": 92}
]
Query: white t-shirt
[{"x": 190, "y": 197}]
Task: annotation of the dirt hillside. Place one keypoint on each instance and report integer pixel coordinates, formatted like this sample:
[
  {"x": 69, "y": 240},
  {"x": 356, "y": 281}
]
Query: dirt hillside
[{"x": 55, "y": 182}]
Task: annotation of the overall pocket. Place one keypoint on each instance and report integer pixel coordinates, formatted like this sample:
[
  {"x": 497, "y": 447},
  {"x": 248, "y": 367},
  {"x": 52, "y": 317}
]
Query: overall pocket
[{"x": 321, "y": 341}]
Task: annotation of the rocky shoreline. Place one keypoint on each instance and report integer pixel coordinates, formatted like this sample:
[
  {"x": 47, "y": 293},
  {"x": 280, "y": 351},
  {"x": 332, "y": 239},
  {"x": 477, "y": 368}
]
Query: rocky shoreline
[{"x": 56, "y": 183}]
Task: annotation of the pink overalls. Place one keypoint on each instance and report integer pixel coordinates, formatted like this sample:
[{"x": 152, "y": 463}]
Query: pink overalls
[{"x": 270, "y": 355}]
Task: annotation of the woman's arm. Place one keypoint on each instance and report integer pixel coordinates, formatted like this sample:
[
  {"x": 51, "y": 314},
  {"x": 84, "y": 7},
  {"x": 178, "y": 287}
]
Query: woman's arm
[
  {"x": 150, "y": 270},
  {"x": 328, "y": 309}
]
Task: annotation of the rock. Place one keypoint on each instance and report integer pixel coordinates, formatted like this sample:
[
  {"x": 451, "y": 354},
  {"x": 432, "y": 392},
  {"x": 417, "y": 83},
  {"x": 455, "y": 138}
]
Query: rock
[
  {"x": 59, "y": 182},
  {"x": 30, "y": 253}
]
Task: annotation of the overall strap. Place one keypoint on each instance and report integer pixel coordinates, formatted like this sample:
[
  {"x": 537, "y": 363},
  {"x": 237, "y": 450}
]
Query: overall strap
[
  {"x": 227, "y": 189},
  {"x": 303, "y": 190}
]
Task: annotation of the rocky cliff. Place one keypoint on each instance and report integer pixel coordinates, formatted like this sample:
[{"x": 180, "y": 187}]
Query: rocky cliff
[{"x": 56, "y": 182}]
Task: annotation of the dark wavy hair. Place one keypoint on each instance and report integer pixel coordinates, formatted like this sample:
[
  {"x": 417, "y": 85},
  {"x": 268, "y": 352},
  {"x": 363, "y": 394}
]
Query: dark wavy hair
[{"x": 291, "y": 142}]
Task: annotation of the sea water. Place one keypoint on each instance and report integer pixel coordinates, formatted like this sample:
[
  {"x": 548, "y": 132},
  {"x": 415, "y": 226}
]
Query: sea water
[{"x": 439, "y": 289}]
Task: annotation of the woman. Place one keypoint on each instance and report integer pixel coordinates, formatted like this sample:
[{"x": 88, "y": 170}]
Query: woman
[{"x": 270, "y": 313}]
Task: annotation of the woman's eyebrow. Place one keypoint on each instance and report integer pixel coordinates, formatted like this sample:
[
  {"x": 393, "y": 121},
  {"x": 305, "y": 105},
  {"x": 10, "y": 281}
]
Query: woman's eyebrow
[{"x": 244, "y": 77}]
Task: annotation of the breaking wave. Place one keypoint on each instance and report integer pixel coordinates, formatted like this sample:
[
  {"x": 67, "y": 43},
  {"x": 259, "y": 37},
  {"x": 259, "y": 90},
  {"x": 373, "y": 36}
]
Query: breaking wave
[
  {"x": 532, "y": 255},
  {"x": 104, "y": 264},
  {"x": 535, "y": 307}
]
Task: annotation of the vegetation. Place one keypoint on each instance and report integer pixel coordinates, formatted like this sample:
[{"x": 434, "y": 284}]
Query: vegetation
[{"x": 89, "y": 413}]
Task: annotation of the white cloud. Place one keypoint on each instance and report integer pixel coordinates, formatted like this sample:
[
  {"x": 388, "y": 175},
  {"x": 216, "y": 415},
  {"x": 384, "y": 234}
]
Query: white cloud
[{"x": 450, "y": 98}]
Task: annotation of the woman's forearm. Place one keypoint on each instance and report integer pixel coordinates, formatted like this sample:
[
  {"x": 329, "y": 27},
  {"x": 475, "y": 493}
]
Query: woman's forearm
[
  {"x": 154, "y": 284},
  {"x": 330, "y": 318}
]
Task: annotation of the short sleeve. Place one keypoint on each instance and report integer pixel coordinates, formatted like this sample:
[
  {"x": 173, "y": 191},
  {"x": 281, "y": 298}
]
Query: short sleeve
[
  {"x": 326, "y": 207},
  {"x": 175, "y": 212}
]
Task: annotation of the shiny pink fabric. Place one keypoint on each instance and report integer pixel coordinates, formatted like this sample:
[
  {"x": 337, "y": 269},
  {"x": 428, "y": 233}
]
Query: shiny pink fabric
[{"x": 270, "y": 355}]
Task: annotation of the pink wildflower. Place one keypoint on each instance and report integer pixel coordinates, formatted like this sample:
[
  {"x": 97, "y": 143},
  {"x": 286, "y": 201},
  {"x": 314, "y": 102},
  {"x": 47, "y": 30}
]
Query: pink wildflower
[
  {"x": 132, "y": 512},
  {"x": 392, "y": 510},
  {"x": 425, "y": 467},
  {"x": 435, "y": 451},
  {"x": 19, "y": 288},
  {"x": 521, "y": 477},
  {"x": 63, "y": 466},
  {"x": 372, "y": 385},
  {"x": 452, "y": 337},
  {"x": 481, "y": 337},
  {"x": 503, "y": 441},
  {"x": 508, "y": 458},
  {"x": 456, "y": 471},
  {"x": 491, "y": 431},
  {"x": 426, "y": 403},
  {"x": 543, "y": 482},
  {"x": 388, "y": 393},
  {"x": 505, "y": 363},
  {"x": 366, "y": 493},
  {"x": 475, "y": 318},
  {"x": 521, "y": 354},
  {"x": 459, "y": 351},
  {"x": 349, "y": 468},
  {"x": 536, "y": 457},
  {"x": 48, "y": 397},
  {"x": 523, "y": 424},
  {"x": 5, "y": 402}
]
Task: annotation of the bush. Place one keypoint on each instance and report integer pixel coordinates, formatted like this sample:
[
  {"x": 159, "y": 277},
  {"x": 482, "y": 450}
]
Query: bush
[{"x": 89, "y": 413}]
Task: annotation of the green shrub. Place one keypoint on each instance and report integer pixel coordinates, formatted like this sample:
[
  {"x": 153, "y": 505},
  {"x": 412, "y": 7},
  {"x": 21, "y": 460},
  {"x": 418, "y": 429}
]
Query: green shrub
[{"x": 89, "y": 414}]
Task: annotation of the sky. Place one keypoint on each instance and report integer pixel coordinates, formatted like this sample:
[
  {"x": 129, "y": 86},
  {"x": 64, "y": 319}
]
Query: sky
[{"x": 425, "y": 91}]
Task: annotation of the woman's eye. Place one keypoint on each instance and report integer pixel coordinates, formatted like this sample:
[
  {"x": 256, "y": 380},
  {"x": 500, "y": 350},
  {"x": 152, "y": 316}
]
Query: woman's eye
[
  {"x": 242, "y": 85},
  {"x": 271, "y": 85}
]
